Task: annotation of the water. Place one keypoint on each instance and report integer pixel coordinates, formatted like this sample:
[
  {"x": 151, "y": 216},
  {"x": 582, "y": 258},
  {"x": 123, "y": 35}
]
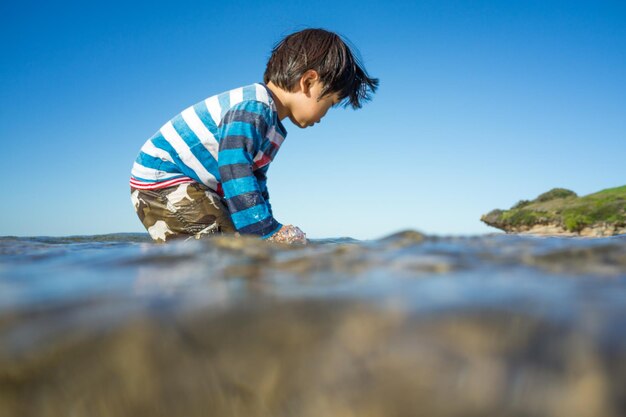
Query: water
[{"x": 409, "y": 324}]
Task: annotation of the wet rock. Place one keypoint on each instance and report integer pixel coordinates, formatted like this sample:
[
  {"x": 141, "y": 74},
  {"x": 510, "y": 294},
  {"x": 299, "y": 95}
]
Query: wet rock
[{"x": 404, "y": 238}]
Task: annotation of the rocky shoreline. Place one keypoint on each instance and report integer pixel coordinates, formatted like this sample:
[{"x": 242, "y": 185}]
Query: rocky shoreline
[
  {"x": 560, "y": 212},
  {"x": 558, "y": 230}
]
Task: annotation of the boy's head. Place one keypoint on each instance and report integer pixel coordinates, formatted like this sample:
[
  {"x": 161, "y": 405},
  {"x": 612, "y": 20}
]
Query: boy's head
[{"x": 319, "y": 64}]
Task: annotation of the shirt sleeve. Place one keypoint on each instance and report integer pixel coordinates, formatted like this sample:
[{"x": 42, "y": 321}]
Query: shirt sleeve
[
  {"x": 242, "y": 131},
  {"x": 262, "y": 180}
]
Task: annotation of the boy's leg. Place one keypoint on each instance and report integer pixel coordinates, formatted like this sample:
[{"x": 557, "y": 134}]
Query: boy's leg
[{"x": 181, "y": 211}]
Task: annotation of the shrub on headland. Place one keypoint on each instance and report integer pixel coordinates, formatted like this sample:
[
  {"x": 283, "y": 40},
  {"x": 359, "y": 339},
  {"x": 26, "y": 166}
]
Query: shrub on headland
[
  {"x": 575, "y": 222},
  {"x": 520, "y": 204},
  {"x": 555, "y": 193}
]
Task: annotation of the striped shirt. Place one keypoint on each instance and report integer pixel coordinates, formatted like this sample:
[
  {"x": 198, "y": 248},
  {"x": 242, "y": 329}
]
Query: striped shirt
[{"x": 225, "y": 142}]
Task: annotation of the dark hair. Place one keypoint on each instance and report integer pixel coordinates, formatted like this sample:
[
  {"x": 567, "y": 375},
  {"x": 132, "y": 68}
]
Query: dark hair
[{"x": 325, "y": 52}]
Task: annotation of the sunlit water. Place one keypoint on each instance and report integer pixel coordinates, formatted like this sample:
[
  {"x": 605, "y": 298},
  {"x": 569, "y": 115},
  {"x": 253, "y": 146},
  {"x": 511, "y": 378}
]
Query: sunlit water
[{"x": 403, "y": 325}]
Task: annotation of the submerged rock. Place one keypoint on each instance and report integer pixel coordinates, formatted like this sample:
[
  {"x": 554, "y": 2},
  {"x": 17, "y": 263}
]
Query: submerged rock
[
  {"x": 560, "y": 212},
  {"x": 311, "y": 358}
]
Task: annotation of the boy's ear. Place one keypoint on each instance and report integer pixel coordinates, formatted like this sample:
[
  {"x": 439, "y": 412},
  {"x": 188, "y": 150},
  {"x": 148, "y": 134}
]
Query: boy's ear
[{"x": 308, "y": 79}]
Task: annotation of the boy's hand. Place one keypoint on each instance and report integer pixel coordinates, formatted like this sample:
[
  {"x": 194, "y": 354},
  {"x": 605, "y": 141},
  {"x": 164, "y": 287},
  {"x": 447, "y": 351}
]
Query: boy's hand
[{"x": 289, "y": 234}]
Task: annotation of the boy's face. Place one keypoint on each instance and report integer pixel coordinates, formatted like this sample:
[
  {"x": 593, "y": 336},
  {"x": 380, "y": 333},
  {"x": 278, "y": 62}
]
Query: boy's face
[{"x": 306, "y": 110}]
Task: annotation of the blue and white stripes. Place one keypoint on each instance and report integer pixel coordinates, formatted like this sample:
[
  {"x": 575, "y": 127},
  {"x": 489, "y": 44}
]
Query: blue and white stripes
[{"x": 225, "y": 142}]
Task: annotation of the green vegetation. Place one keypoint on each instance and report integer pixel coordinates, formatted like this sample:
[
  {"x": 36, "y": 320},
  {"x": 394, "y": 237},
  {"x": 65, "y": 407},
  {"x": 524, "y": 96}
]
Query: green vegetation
[
  {"x": 520, "y": 204},
  {"x": 563, "y": 207},
  {"x": 555, "y": 193}
]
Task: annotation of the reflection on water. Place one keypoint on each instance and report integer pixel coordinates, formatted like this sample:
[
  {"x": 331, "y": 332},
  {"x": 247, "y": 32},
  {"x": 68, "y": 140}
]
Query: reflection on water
[{"x": 405, "y": 325}]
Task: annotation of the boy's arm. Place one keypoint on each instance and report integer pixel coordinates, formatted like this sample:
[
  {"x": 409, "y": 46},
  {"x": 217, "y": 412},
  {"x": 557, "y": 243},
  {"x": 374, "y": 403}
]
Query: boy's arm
[{"x": 242, "y": 130}]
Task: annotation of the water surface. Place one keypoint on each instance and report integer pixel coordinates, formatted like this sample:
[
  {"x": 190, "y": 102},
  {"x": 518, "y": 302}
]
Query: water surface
[{"x": 404, "y": 325}]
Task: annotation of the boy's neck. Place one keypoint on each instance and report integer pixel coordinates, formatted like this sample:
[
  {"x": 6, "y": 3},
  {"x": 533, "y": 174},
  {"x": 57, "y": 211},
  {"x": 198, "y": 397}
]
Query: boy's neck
[{"x": 281, "y": 99}]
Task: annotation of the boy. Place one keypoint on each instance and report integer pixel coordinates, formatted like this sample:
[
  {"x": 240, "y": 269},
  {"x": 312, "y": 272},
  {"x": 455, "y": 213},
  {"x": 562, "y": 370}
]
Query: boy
[{"x": 205, "y": 171}]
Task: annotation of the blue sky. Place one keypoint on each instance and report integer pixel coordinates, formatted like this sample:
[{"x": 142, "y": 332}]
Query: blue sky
[{"x": 481, "y": 103}]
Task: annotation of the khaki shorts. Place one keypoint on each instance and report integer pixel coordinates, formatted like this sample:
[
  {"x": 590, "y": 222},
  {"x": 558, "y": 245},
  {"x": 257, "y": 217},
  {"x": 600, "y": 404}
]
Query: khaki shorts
[{"x": 181, "y": 211}]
